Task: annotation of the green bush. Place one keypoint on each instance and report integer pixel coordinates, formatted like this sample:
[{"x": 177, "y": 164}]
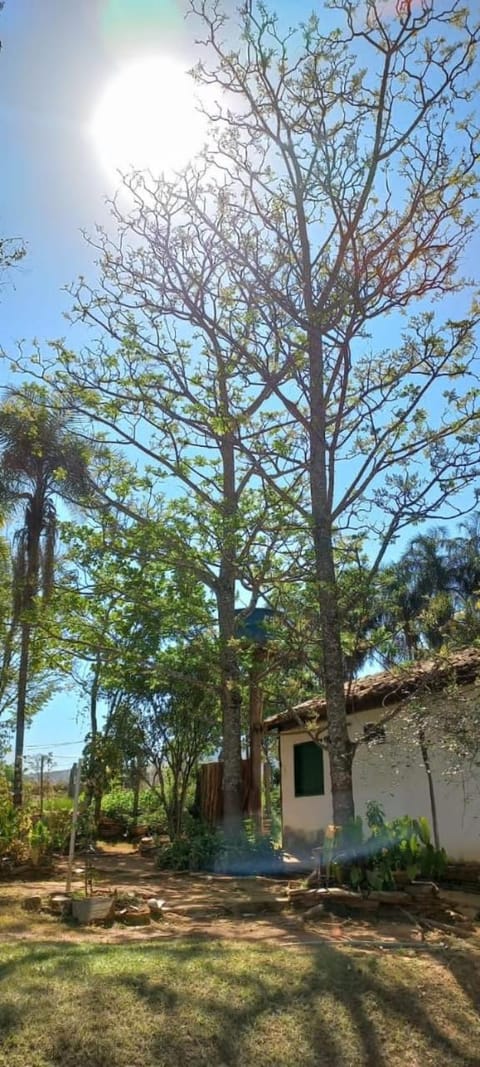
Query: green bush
[
  {"x": 58, "y": 818},
  {"x": 15, "y": 827},
  {"x": 204, "y": 848},
  {"x": 58, "y": 802},
  {"x": 197, "y": 850},
  {"x": 251, "y": 852},
  {"x": 23, "y": 836},
  {"x": 40, "y": 841},
  {"x": 371, "y": 862},
  {"x": 118, "y": 804}
]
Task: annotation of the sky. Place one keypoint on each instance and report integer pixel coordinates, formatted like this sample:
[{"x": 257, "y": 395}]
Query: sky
[{"x": 56, "y": 59}]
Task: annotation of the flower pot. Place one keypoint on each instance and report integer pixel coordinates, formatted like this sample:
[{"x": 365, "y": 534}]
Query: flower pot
[
  {"x": 136, "y": 832},
  {"x": 139, "y": 916},
  {"x": 92, "y": 909},
  {"x": 110, "y": 829},
  {"x": 401, "y": 878}
]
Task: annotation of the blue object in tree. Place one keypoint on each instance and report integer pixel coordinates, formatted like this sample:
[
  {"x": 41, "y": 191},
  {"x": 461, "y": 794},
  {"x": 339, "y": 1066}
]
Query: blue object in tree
[{"x": 255, "y": 627}]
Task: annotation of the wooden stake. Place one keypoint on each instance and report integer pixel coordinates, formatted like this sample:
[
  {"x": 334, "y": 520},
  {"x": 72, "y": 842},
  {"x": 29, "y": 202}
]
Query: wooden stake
[{"x": 71, "y": 848}]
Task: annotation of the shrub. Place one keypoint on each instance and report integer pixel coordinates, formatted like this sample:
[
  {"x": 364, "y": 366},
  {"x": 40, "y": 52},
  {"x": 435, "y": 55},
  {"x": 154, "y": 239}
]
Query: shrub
[
  {"x": 40, "y": 841},
  {"x": 402, "y": 845},
  {"x": 58, "y": 818},
  {"x": 250, "y": 853},
  {"x": 15, "y": 827},
  {"x": 197, "y": 850},
  {"x": 118, "y": 805},
  {"x": 205, "y": 848}
]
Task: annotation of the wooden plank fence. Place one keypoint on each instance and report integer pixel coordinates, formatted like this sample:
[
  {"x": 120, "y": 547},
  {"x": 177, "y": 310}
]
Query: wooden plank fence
[{"x": 210, "y": 791}]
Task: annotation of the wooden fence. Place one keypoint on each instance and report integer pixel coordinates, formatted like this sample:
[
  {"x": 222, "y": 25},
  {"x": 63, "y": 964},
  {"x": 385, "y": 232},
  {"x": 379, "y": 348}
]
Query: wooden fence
[{"x": 210, "y": 791}]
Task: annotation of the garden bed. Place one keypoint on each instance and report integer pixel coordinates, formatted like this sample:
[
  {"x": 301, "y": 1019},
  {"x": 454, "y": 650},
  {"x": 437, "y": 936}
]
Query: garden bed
[{"x": 207, "y": 906}]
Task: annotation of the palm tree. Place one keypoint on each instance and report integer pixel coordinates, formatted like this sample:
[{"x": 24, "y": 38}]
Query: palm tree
[
  {"x": 417, "y": 596},
  {"x": 41, "y": 460}
]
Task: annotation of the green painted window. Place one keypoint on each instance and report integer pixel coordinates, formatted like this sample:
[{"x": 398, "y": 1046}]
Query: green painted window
[{"x": 308, "y": 770}]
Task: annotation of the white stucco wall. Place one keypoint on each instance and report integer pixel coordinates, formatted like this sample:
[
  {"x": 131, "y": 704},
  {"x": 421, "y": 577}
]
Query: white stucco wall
[{"x": 393, "y": 774}]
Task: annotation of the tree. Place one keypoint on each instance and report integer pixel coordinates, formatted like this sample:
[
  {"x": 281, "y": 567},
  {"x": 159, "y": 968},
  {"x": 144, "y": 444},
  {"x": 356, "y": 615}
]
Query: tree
[
  {"x": 180, "y": 724},
  {"x": 414, "y": 600},
  {"x": 428, "y": 600},
  {"x": 338, "y": 170},
  {"x": 41, "y": 460},
  {"x": 119, "y": 605},
  {"x": 337, "y": 189},
  {"x": 178, "y": 403},
  {"x": 463, "y": 557}
]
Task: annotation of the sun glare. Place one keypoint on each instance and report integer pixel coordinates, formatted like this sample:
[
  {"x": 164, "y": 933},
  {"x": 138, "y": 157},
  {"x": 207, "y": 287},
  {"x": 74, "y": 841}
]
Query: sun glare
[{"x": 147, "y": 118}]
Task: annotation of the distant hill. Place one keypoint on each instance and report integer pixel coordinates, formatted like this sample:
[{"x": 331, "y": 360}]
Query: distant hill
[{"x": 54, "y": 777}]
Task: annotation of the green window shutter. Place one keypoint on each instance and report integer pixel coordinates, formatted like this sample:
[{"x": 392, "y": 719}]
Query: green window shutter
[{"x": 308, "y": 770}]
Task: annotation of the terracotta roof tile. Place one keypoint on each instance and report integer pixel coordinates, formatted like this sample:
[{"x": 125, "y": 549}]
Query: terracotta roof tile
[{"x": 389, "y": 687}]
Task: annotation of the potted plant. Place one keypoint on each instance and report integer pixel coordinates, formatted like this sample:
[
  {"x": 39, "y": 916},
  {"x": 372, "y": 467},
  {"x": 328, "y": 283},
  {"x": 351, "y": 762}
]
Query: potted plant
[
  {"x": 89, "y": 907},
  {"x": 92, "y": 908}
]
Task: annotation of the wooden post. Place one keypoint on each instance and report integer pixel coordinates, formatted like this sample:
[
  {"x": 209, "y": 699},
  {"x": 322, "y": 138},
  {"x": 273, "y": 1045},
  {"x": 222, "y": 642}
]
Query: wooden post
[
  {"x": 42, "y": 763},
  {"x": 71, "y": 848}
]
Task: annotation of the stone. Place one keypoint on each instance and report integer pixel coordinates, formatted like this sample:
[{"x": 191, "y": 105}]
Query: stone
[
  {"x": 60, "y": 904},
  {"x": 156, "y": 907},
  {"x": 32, "y": 903},
  {"x": 147, "y": 844},
  {"x": 422, "y": 889}
]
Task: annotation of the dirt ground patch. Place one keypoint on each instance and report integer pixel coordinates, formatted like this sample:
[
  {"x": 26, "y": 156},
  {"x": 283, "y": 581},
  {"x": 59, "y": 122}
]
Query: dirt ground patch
[{"x": 198, "y": 906}]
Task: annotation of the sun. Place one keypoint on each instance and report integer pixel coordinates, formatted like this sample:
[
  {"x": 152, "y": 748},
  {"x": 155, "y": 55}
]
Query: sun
[{"x": 147, "y": 118}]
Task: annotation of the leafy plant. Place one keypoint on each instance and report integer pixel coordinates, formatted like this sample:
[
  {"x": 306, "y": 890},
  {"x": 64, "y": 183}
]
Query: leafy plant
[
  {"x": 196, "y": 850},
  {"x": 15, "y": 828},
  {"x": 251, "y": 852},
  {"x": 58, "y": 818},
  {"x": 203, "y": 847},
  {"x": 402, "y": 845},
  {"x": 118, "y": 804},
  {"x": 375, "y": 814},
  {"x": 40, "y": 841}
]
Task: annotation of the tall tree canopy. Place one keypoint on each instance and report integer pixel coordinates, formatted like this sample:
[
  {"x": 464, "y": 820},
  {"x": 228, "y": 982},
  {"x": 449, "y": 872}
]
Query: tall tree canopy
[{"x": 337, "y": 189}]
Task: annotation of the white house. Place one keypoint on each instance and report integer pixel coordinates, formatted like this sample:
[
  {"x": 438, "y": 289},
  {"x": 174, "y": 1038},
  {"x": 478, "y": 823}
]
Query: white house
[{"x": 389, "y": 766}]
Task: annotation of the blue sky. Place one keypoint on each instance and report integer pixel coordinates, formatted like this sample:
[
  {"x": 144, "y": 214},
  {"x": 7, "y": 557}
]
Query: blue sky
[{"x": 56, "y": 58}]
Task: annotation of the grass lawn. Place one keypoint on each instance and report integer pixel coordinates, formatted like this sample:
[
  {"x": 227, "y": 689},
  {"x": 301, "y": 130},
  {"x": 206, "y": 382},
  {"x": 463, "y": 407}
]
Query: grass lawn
[{"x": 236, "y": 1005}]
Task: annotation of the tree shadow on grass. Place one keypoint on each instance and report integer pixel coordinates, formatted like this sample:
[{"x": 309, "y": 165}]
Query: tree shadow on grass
[
  {"x": 355, "y": 990},
  {"x": 236, "y": 1004},
  {"x": 465, "y": 969},
  {"x": 10, "y": 1018}
]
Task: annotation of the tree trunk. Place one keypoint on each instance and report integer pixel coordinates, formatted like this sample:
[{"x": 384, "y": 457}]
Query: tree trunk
[
  {"x": 21, "y": 712},
  {"x": 94, "y": 699},
  {"x": 29, "y": 585},
  {"x": 431, "y": 789},
  {"x": 231, "y": 714},
  {"x": 137, "y": 781},
  {"x": 256, "y": 737},
  {"x": 97, "y": 810},
  {"x": 230, "y": 694},
  {"x": 340, "y": 748},
  {"x": 92, "y": 788}
]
